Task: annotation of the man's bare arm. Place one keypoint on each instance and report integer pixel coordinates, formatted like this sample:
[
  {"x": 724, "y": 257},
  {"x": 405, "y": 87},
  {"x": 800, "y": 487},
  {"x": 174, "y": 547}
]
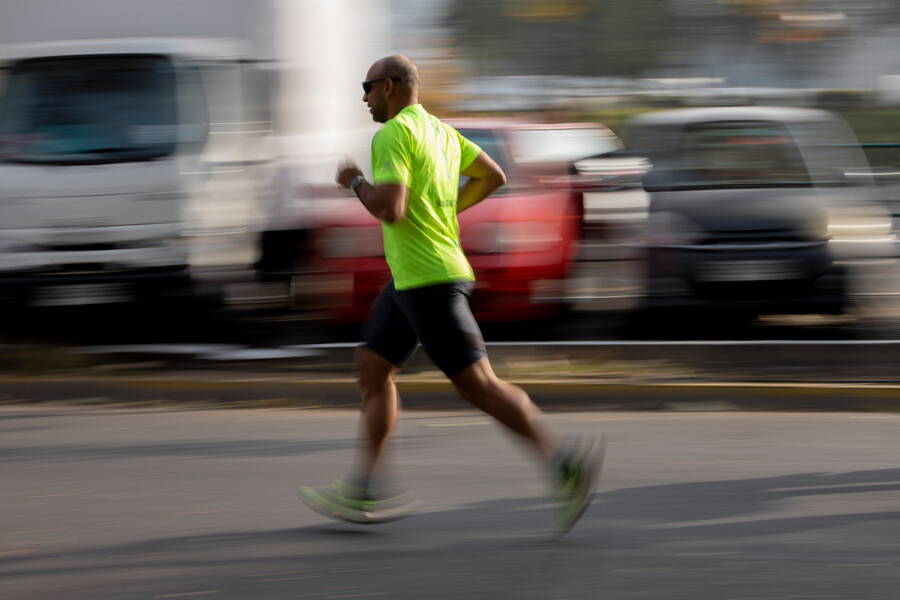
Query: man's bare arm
[
  {"x": 386, "y": 202},
  {"x": 485, "y": 177}
]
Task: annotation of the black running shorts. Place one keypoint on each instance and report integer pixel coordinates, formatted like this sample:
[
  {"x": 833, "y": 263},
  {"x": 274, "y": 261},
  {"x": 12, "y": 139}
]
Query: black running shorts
[{"x": 436, "y": 316}]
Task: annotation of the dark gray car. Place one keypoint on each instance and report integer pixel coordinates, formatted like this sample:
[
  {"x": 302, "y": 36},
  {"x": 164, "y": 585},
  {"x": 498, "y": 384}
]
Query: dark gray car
[{"x": 741, "y": 207}]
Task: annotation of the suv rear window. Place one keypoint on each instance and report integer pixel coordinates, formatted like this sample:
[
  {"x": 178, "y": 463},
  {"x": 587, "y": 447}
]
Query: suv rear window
[{"x": 739, "y": 154}]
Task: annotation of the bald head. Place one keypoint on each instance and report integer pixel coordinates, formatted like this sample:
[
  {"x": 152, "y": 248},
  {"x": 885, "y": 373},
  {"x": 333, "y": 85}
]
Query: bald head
[
  {"x": 400, "y": 67},
  {"x": 392, "y": 84}
]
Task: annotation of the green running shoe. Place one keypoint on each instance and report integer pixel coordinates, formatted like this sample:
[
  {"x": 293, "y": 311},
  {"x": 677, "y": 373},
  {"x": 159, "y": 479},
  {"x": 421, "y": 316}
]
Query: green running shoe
[
  {"x": 576, "y": 477},
  {"x": 353, "y": 503}
]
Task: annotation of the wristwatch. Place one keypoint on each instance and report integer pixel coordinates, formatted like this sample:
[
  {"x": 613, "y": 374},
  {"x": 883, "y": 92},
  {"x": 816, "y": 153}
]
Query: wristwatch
[{"x": 356, "y": 181}]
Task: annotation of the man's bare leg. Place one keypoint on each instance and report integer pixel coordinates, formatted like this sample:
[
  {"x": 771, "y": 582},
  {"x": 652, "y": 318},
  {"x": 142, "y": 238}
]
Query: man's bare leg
[
  {"x": 352, "y": 499},
  {"x": 575, "y": 468},
  {"x": 379, "y": 408},
  {"x": 508, "y": 403}
]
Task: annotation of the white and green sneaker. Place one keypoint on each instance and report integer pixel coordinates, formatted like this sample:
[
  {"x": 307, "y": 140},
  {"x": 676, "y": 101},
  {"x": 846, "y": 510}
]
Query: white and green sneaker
[
  {"x": 576, "y": 475},
  {"x": 355, "y": 504}
]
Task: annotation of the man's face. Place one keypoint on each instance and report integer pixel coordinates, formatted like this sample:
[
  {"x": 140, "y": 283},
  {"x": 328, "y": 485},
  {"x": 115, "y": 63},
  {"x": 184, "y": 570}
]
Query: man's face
[{"x": 375, "y": 99}]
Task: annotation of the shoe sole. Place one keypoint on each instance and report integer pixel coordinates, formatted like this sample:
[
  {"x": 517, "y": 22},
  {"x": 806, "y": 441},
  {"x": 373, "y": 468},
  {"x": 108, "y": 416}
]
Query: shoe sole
[
  {"x": 321, "y": 505},
  {"x": 597, "y": 454}
]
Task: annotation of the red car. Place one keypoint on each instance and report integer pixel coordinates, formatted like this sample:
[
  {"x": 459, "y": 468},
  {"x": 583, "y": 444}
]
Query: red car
[{"x": 521, "y": 242}]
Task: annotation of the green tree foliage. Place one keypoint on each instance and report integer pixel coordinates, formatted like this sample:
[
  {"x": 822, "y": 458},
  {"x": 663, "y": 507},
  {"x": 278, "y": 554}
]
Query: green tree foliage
[
  {"x": 573, "y": 37},
  {"x": 639, "y": 38}
]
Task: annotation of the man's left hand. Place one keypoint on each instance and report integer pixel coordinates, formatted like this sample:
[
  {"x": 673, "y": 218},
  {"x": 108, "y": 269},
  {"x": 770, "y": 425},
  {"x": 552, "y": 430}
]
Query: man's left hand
[{"x": 346, "y": 170}]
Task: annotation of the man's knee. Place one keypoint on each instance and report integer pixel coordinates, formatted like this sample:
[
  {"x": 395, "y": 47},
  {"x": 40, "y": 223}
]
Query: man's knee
[
  {"x": 372, "y": 370},
  {"x": 476, "y": 383}
]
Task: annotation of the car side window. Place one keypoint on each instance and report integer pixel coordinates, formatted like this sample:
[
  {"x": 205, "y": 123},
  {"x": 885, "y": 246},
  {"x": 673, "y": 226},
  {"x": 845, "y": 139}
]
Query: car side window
[{"x": 488, "y": 142}]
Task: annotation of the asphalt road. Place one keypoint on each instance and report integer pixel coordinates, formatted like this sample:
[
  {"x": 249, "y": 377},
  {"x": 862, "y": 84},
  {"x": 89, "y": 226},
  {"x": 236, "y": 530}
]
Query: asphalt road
[{"x": 100, "y": 503}]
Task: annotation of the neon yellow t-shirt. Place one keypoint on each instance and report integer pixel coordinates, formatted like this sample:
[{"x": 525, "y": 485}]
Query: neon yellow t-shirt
[{"x": 418, "y": 150}]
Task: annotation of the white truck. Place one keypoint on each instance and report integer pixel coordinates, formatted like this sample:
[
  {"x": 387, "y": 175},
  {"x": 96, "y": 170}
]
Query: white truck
[{"x": 140, "y": 154}]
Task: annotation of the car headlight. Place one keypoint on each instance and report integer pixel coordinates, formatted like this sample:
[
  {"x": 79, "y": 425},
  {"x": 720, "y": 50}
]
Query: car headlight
[
  {"x": 520, "y": 236},
  {"x": 861, "y": 233},
  {"x": 867, "y": 221},
  {"x": 350, "y": 242}
]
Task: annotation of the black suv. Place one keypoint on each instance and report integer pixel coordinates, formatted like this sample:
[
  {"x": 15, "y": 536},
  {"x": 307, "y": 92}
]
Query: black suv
[{"x": 742, "y": 206}]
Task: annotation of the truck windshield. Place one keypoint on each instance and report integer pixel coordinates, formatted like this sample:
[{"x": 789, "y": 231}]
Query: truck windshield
[{"x": 88, "y": 110}]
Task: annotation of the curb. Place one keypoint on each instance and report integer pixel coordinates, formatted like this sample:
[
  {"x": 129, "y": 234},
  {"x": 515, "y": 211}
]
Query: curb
[
  {"x": 210, "y": 389},
  {"x": 600, "y": 375}
]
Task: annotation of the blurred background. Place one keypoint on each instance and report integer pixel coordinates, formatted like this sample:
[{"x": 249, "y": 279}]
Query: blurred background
[
  {"x": 166, "y": 169},
  {"x": 701, "y": 214}
]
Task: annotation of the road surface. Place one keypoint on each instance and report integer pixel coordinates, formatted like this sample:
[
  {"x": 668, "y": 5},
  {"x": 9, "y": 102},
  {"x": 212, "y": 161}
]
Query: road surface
[{"x": 103, "y": 503}]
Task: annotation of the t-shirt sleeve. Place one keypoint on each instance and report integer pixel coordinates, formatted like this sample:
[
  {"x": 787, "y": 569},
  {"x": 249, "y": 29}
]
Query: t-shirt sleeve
[
  {"x": 391, "y": 160},
  {"x": 468, "y": 151}
]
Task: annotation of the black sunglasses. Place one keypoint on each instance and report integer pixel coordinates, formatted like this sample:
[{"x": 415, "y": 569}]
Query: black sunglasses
[{"x": 367, "y": 85}]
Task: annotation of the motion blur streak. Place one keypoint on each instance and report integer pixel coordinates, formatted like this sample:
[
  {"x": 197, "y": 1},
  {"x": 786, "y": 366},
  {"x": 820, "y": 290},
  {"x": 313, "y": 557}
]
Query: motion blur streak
[{"x": 182, "y": 153}]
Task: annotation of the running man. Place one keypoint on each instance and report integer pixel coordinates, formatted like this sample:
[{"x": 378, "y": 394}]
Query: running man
[{"x": 417, "y": 161}]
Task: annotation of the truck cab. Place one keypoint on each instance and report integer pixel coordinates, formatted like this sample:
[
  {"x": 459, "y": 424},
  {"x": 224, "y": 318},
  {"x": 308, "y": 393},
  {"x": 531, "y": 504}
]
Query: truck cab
[{"x": 124, "y": 163}]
